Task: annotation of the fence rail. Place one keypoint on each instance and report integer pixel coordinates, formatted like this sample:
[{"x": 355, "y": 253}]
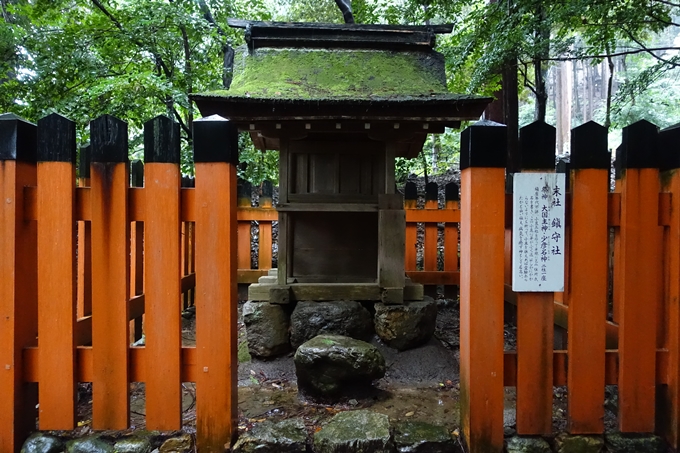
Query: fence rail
[{"x": 88, "y": 264}]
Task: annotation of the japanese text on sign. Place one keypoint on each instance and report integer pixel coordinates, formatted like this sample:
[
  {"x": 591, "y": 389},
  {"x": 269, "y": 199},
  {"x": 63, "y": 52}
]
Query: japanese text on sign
[{"x": 538, "y": 232}]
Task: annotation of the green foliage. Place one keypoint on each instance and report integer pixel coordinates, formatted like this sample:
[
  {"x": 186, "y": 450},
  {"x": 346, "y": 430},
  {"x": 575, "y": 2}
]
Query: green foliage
[{"x": 254, "y": 165}]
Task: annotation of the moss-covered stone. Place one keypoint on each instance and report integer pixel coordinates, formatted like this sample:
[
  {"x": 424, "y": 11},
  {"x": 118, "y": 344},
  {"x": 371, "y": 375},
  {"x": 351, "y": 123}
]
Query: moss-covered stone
[
  {"x": 519, "y": 444},
  {"x": 92, "y": 444},
  {"x": 421, "y": 437},
  {"x": 578, "y": 444},
  {"x": 336, "y": 73},
  {"x": 39, "y": 442},
  {"x": 135, "y": 444},
  {"x": 627, "y": 443},
  {"x": 287, "y": 436},
  {"x": 328, "y": 364},
  {"x": 178, "y": 444},
  {"x": 355, "y": 432}
]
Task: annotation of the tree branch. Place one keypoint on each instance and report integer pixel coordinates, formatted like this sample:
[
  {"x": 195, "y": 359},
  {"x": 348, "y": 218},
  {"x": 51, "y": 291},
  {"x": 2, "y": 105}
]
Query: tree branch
[
  {"x": 182, "y": 124},
  {"x": 666, "y": 2},
  {"x": 100, "y": 6},
  {"x": 614, "y": 54},
  {"x": 636, "y": 41}
]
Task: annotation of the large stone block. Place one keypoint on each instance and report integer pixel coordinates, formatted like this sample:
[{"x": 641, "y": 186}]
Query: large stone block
[
  {"x": 422, "y": 437},
  {"x": 328, "y": 364},
  {"x": 406, "y": 326},
  {"x": 343, "y": 317},
  {"x": 355, "y": 432},
  {"x": 287, "y": 436},
  {"x": 266, "y": 328}
]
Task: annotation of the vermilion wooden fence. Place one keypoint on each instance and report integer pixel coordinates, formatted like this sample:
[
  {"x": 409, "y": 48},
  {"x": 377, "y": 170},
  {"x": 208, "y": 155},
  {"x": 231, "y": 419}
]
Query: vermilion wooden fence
[{"x": 81, "y": 264}]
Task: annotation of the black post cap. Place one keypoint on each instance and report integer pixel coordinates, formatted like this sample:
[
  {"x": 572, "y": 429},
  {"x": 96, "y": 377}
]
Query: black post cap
[
  {"x": 137, "y": 173},
  {"x": 56, "y": 139},
  {"x": 669, "y": 148},
  {"x": 564, "y": 166},
  {"x": 484, "y": 144},
  {"x": 410, "y": 191},
  {"x": 640, "y": 145},
  {"x": 267, "y": 189},
  {"x": 452, "y": 192},
  {"x": 537, "y": 146},
  {"x": 215, "y": 140},
  {"x": 589, "y": 147},
  {"x": 161, "y": 140},
  {"x": 188, "y": 181},
  {"x": 109, "y": 139},
  {"x": 18, "y": 139},
  {"x": 431, "y": 191},
  {"x": 84, "y": 159}
]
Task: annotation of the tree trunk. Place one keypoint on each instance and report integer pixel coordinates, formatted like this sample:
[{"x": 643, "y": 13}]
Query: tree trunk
[
  {"x": 563, "y": 109},
  {"x": 542, "y": 37}
]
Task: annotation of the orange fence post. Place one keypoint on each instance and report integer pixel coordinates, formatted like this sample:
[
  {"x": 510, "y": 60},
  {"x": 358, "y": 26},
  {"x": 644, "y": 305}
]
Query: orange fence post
[
  {"x": 84, "y": 276},
  {"x": 245, "y": 190},
  {"x": 18, "y": 281},
  {"x": 640, "y": 277},
  {"x": 216, "y": 156},
  {"x": 535, "y": 310},
  {"x": 411, "y": 202},
  {"x": 265, "y": 257},
  {"x": 56, "y": 273},
  {"x": 588, "y": 275},
  {"x": 452, "y": 197},
  {"x": 430, "y": 240},
  {"x": 109, "y": 174},
  {"x": 483, "y": 157},
  {"x": 162, "y": 274},
  {"x": 669, "y": 139}
]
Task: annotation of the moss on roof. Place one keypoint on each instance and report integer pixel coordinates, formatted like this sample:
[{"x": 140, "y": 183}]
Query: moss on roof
[{"x": 336, "y": 74}]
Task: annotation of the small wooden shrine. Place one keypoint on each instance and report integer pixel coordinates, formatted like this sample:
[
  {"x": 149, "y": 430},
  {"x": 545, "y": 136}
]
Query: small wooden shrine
[{"x": 339, "y": 102}]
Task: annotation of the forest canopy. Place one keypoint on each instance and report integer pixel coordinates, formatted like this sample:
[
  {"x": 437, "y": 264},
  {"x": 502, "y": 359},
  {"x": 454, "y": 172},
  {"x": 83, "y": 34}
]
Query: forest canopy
[{"x": 567, "y": 62}]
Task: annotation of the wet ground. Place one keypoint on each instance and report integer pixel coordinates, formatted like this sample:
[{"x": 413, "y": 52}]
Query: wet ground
[{"x": 420, "y": 384}]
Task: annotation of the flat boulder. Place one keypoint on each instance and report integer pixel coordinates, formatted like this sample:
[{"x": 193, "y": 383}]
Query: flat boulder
[
  {"x": 328, "y": 364},
  {"x": 359, "y": 431},
  {"x": 406, "y": 326},
  {"x": 266, "y": 329},
  {"x": 40, "y": 442},
  {"x": 92, "y": 444},
  {"x": 287, "y": 436},
  {"x": 340, "y": 317},
  {"x": 422, "y": 437}
]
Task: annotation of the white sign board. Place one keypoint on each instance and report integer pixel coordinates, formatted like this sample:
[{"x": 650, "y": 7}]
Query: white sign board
[{"x": 538, "y": 232}]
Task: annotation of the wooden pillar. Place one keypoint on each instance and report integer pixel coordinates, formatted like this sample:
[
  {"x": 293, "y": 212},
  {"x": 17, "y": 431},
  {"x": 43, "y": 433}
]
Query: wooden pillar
[
  {"x": 109, "y": 174},
  {"x": 535, "y": 310},
  {"x": 162, "y": 274},
  {"x": 669, "y": 148},
  {"x": 391, "y": 246},
  {"x": 588, "y": 276},
  {"x": 640, "y": 278},
  {"x": 57, "y": 288},
  {"x": 18, "y": 281},
  {"x": 216, "y": 156},
  {"x": 483, "y": 157}
]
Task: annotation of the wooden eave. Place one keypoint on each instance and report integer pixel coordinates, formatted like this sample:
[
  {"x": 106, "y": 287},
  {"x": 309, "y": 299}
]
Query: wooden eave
[{"x": 445, "y": 109}]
